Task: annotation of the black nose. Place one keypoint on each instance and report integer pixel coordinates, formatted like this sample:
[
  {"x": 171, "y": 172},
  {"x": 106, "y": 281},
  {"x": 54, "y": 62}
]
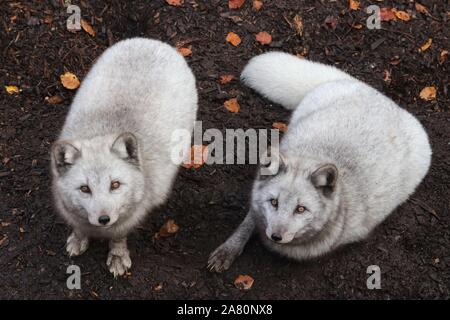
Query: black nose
[
  {"x": 275, "y": 237},
  {"x": 103, "y": 220}
]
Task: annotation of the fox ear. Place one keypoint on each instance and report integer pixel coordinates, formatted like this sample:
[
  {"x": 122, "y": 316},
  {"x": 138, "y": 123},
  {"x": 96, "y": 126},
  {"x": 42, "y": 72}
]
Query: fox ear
[
  {"x": 325, "y": 178},
  {"x": 126, "y": 147},
  {"x": 64, "y": 155}
]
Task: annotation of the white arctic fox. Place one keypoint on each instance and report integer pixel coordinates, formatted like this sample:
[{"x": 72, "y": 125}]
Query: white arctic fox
[
  {"x": 112, "y": 161},
  {"x": 349, "y": 158}
]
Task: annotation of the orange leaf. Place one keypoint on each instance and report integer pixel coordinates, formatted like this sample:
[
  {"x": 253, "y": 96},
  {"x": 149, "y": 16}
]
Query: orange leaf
[
  {"x": 175, "y": 3},
  {"x": 87, "y": 28},
  {"x": 232, "y": 105},
  {"x": 233, "y": 38},
  {"x": 353, "y": 4},
  {"x": 387, "y": 14},
  {"x": 197, "y": 157},
  {"x": 443, "y": 56},
  {"x": 224, "y": 79},
  {"x": 167, "y": 229},
  {"x": 185, "y": 52},
  {"x": 69, "y": 81},
  {"x": 387, "y": 76},
  {"x": 257, "y": 5},
  {"x": 357, "y": 26},
  {"x": 280, "y": 126},
  {"x": 235, "y": 4},
  {"x": 244, "y": 282},
  {"x": 264, "y": 38},
  {"x": 402, "y": 15},
  {"x": 426, "y": 45},
  {"x": 422, "y": 9},
  {"x": 428, "y": 93}
]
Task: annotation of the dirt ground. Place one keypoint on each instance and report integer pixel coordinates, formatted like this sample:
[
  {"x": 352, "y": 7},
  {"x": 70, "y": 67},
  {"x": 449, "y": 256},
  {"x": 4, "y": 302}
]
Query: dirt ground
[{"x": 411, "y": 246}]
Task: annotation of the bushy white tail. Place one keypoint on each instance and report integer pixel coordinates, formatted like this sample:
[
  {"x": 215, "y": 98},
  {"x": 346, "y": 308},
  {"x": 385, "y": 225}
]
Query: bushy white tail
[{"x": 286, "y": 79}]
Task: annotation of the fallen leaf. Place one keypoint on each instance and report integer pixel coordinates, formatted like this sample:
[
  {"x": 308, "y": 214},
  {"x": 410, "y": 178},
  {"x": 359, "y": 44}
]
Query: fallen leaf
[
  {"x": 196, "y": 158},
  {"x": 331, "y": 22},
  {"x": 233, "y": 38},
  {"x": 69, "y": 81},
  {"x": 386, "y": 14},
  {"x": 54, "y": 99},
  {"x": 3, "y": 239},
  {"x": 5, "y": 224},
  {"x": 395, "y": 61},
  {"x": 175, "y": 3},
  {"x": 12, "y": 89},
  {"x": 158, "y": 287},
  {"x": 443, "y": 56},
  {"x": 235, "y": 4},
  {"x": 51, "y": 253},
  {"x": 185, "y": 51},
  {"x": 422, "y": 9},
  {"x": 224, "y": 79},
  {"x": 353, "y": 4},
  {"x": 428, "y": 93},
  {"x": 426, "y": 45},
  {"x": 257, "y": 5},
  {"x": 280, "y": 126},
  {"x": 402, "y": 15},
  {"x": 358, "y": 26},
  {"x": 244, "y": 282},
  {"x": 298, "y": 24},
  {"x": 263, "y": 37},
  {"x": 21, "y": 230},
  {"x": 232, "y": 105},
  {"x": 48, "y": 19},
  {"x": 387, "y": 76},
  {"x": 87, "y": 28},
  {"x": 168, "y": 229}
]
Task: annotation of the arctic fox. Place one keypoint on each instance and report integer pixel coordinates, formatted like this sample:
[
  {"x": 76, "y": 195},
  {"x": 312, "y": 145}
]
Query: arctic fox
[
  {"x": 112, "y": 162},
  {"x": 350, "y": 156}
]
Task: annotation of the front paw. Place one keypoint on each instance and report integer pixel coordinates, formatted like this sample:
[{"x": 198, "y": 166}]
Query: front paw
[
  {"x": 223, "y": 257},
  {"x": 118, "y": 261},
  {"x": 76, "y": 245}
]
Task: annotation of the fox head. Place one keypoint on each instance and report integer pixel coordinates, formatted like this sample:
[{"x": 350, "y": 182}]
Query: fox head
[
  {"x": 100, "y": 179},
  {"x": 298, "y": 200}
]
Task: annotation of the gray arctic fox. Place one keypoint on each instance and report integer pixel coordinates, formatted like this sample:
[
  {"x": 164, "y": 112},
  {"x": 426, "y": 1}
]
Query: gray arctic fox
[
  {"x": 350, "y": 156},
  {"x": 112, "y": 162}
]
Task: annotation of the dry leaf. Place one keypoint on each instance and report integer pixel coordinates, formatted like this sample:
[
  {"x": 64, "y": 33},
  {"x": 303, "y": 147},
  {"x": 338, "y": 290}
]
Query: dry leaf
[
  {"x": 185, "y": 52},
  {"x": 12, "y": 89},
  {"x": 353, "y": 4},
  {"x": 280, "y": 126},
  {"x": 264, "y": 38},
  {"x": 224, "y": 79},
  {"x": 54, "y": 99},
  {"x": 158, "y": 287},
  {"x": 244, "y": 282},
  {"x": 168, "y": 229},
  {"x": 443, "y": 56},
  {"x": 422, "y": 9},
  {"x": 232, "y": 105},
  {"x": 298, "y": 24},
  {"x": 386, "y": 14},
  {"x": 196, "y": 158},
  {"x": 48, "y": 19},
  {"x": 233, "y": 38},
  {"x": 175, "y": 3},
  {"x": 331, "y": 22},
  {"x": 402, "y": 15},
  {"x": 21, "y": 230},
  {"x": 235, "y": 4},
  {"x": 87, "y": 28},
  {"x": 358, "y": 26},
  {"x": 387, "y": 76},
  {"x": 5, "y": 224},
  {"x": 426, "y": 45},
  {"x": 69, "y": 81},
  {"x": 2, "y": 240},
  {"x": 257, "y": 5},
  {"x": 428, "y": 93}
]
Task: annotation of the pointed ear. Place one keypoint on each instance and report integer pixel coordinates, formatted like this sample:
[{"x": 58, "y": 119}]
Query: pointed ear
[
  {"x": 126, "y": 147},
  {"x": 64, "y": 155},
  {"x": 325, "y": 178},
  {"x": 272, "y": 163}
]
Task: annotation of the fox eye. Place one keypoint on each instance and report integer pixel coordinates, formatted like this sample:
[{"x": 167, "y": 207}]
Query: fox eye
[
  {"x": 274, "y": 202},
  {"x": 85, "y": 189},
  {"x": 115, "y": 185},
  {"x": 300, "y": 209}
]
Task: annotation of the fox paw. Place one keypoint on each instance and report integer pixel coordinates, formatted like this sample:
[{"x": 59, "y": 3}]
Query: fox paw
[
  {"x": 118, "y": 261},
  {"x": 75, "y": 245},
  {"x": 222, "y": 258}
]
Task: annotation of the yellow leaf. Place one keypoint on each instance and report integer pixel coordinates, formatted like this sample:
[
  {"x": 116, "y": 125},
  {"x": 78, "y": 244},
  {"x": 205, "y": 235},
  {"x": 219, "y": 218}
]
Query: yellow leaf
[
  {"x": 428, "y": 93},
  {"x": 87, "y": 28},
  {"x": 402, "y": 15},
  {"x": 70, "y": 81},
  {"x": 426, "y": 45},
  {"x": 12, "y": 89}
]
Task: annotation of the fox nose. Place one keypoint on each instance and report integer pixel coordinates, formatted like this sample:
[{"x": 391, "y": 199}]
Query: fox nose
[
  {"x": 104, "y": 219},
  {"x": 275, "y": 237}
]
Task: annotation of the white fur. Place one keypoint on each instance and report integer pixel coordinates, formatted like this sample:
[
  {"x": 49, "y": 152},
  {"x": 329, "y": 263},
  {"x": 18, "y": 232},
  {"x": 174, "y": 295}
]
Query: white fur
[
  {"x": 380, "y": 151},
  {"x": 140, "y": 86}
]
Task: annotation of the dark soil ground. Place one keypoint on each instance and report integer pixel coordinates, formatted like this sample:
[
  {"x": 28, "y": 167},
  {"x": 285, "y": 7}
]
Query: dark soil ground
[{"x": 411, "y": 246}]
